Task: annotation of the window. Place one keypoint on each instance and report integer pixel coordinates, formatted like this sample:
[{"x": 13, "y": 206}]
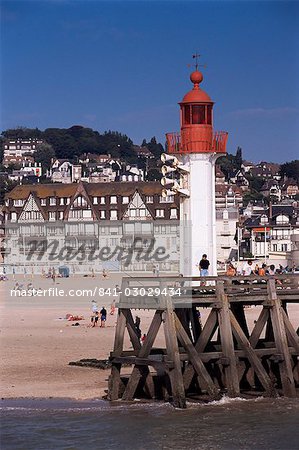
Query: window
[
  {"x": 284, "y": 247},
  {"x": 95, "y": 200},
  {"x": 125, "y": 200},
  {"x": 282, "y": 219},
  {"x": 149, "y": 199},
  {"x": 187, "y": 115},
  {"x": 159, "y": 212},
  {"x": 87, "y": 214},
  {"x": 102, "y": 214},
  {"x": 52, "y": 201},
  {"x": 76, "y": 214},
  {"x": 80, "y": 201},
  {"x": 18, "y": 202},
  {"x": 52, "y": 215},
  {"x": 113, "y": 199},
  {"x": 13, "y": 216},
  {"x": 167, "y": 199},
  {"x": 209, "y": 114},
  {"x": 198, "y": 114},
  {"x": 67, "y": 202},
  {"x": 102, "y": 200},
  {"x": 60, "y": 215},
  {"x": 62, "y": 201},
  {"x": 43, "y": 201},
  {"x": 113, "y": 214},
  {"x": 264, "y": 219},
  {"x": 173, "y": 213}
]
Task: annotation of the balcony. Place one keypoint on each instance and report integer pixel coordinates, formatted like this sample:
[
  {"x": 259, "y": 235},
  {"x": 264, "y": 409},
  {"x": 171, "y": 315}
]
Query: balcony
[{"x": 197, "y": 140}]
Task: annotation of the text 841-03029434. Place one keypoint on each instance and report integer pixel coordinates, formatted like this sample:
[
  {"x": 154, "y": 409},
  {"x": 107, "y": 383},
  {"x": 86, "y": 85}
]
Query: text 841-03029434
[{"x": 151, "y": 291}]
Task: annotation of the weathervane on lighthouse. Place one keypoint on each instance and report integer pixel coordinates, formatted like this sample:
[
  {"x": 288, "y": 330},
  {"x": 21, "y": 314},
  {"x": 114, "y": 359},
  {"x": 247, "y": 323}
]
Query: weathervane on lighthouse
[{"x": 193, "y": 153}]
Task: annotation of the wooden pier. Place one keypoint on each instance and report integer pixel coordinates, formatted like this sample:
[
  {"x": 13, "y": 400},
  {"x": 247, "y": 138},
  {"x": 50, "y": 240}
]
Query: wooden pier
[{"x": 222, "y": 357}]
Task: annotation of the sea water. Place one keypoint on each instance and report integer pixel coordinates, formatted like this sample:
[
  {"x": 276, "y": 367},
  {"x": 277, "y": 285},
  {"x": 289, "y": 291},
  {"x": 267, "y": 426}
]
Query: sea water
[{"x": 226, "y": 424}]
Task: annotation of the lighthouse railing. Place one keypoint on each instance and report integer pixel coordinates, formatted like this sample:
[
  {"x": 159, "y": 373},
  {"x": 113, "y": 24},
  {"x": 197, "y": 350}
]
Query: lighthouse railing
[
  {"x": 173, "y": 142},
  {"x": 196, "y": 142},
  {"x": 219, "y": 141}
]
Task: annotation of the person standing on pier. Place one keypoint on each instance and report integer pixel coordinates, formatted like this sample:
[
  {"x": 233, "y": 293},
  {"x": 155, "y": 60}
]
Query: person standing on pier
[
  {"x": 204, "y": 266},
  {"x": 247, "y": 269}
]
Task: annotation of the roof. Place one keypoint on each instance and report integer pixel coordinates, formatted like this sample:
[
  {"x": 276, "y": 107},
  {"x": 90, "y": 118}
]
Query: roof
[
  {"x": 94, "y": 189},
  {"x": 197, "y": 95}
]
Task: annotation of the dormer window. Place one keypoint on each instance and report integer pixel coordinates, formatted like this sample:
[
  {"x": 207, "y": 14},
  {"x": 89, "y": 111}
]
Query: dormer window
[
  {"x": 18, "y": 202},
  {"x": 282, "y": 220},
  {"x": 52, "y": 201},
  {"x": 264, "y": 219}
]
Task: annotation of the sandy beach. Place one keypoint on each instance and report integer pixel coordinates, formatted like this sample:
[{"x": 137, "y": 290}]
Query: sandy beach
[{"x": 37, "y": 342}]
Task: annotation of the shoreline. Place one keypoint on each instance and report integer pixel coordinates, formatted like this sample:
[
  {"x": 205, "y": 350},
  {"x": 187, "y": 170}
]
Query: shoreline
[{"x": 37, "y": 342}]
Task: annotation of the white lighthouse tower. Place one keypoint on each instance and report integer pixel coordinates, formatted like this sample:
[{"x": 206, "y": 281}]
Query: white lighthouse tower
[{"x": 193, "y": 152}]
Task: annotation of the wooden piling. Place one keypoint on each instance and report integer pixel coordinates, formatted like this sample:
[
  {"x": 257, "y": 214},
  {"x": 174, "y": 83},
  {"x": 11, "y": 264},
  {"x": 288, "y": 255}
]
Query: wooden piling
[{"x": 192, "y": 360}]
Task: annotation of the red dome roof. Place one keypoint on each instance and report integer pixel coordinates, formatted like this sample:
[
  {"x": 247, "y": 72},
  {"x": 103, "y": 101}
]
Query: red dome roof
[{"x": 197, "y": 95}]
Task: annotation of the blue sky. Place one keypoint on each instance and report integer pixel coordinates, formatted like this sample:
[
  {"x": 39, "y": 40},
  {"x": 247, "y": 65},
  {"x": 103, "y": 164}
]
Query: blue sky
[{"x": 124, "y": 66}]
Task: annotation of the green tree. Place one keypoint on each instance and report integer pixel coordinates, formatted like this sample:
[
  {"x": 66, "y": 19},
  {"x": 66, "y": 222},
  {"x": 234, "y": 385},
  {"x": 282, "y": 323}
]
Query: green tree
[
  {"x": 226, "y": 164},
  {"x": 154, "y": 175},
  {"x": 22, "y": 133},
  {"x": 238, "y": 158},
  {"x": 290, "y": 170},
  {"x": 251, "y": 197},
  {"x": 6, "y": 185},
  {"x": 44, "y": 154}
]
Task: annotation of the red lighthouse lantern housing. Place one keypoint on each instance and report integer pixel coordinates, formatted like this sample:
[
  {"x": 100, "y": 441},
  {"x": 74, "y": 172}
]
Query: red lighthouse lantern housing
[{"x": 197, "y": 135}]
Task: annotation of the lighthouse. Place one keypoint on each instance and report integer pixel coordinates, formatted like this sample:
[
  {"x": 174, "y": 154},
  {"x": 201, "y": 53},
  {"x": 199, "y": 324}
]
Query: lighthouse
[{"x": 190, "y": 162}]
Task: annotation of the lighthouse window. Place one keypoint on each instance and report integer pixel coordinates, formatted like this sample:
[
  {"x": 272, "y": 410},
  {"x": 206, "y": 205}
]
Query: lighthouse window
[
  {"x": 198, "y": 114},
  {"x": 209, "y": 115},
  {"x": 187, "y": 114}
]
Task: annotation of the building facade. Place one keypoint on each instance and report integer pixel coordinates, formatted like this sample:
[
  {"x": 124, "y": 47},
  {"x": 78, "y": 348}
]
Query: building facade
[
  {"x": 85, "y": 218},
  {"x": 15, "y": 150}
]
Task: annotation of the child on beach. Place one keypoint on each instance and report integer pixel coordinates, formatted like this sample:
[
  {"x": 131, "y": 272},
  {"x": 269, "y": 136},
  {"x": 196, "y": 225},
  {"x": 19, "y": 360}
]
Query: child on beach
[{"x": 94, "y": 319}]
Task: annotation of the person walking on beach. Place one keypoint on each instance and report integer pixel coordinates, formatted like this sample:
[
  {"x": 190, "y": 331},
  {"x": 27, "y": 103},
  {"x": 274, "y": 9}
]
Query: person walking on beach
[
  {"x": 94, "y": 306},
  {"x": 112, "y": 308},
  {"x": 94, "y": 319},
  {"x": 53, "y": 275},
  {"x": 103, "y": 313},
  {"x": 94, "y": 313},
  {"x": 105, "y": 274}
]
